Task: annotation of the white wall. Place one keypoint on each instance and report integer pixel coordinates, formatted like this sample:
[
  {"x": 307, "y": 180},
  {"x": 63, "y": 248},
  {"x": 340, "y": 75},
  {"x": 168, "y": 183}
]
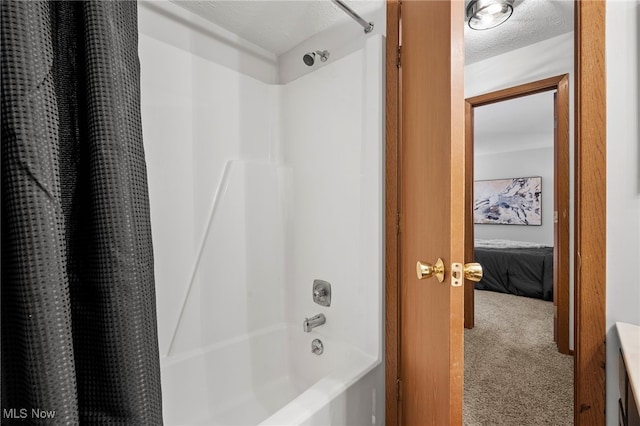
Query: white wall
[
  {"x": 257, "y": 189},
  {"x": 186, "y": 31},
  {"x": 623, "y": 181},
  {"x": 340, "y": 41},
  {"x": 197, "y": 115},
  {"x": 548, "y": 58},
  {"x": 335, "y": 220},
  {"x": 533, "y": 162}
]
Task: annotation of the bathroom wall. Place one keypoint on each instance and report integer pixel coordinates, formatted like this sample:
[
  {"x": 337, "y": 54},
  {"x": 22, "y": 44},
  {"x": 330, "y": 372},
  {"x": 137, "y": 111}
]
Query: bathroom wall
[
  {"x": 334, "y": 147},
  {"x": 623, "y": 180},
  {"x": 256, "y": 189},
  {"x": 531, "y": 162},
  {"x": 198, "y": 114}
]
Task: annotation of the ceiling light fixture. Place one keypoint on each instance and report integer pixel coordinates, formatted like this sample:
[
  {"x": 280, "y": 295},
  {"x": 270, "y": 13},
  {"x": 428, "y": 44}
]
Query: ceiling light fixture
[{"x": 485, "y": 14}]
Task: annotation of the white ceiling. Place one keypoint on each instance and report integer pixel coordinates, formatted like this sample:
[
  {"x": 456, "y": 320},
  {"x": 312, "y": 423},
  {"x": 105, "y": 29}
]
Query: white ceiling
[
  {"x": 279, "y": 25},
  {"x": 276, "y": 25},
  {"x": 532, "y": 21},
  {"x": 521, "y": 123}
]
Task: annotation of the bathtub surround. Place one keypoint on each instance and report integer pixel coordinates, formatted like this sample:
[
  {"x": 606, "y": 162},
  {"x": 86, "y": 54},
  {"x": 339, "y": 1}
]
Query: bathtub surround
[
  {"x": 258, "y": 190},
  {"x": 79, "y": 336}
]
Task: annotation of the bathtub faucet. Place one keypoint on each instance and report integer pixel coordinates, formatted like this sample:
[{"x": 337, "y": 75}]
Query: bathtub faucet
[{"x": 310, "y": 323}]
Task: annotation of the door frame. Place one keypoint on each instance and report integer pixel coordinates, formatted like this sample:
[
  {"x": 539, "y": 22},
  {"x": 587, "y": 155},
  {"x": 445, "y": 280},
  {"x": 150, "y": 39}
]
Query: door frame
[
  {"x": 561, "y": 293},
  {"x": 589, "y": 214}
]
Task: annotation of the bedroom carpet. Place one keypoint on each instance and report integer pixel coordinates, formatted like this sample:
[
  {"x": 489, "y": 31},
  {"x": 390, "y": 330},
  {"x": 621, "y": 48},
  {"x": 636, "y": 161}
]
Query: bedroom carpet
[{"x": 513, "y": 373}]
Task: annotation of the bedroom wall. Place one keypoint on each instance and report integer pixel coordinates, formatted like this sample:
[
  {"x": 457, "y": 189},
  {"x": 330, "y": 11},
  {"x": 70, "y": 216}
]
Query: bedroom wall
[
  {"x": 623, "y": 180},
  {"x": 531, "y": 162},
  {"x": 548, "y": 58}
]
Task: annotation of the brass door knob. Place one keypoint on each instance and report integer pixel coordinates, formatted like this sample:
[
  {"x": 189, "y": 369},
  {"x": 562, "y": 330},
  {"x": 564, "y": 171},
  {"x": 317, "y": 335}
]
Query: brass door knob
[
  {"x": 473, "y": 272},
  {"x": 426, "y": 270}
]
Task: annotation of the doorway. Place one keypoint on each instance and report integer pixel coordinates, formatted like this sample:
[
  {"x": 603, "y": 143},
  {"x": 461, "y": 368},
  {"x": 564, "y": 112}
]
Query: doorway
[
  {"x": 559, "y": 85},
  {"x": 522, "y": 134},
  {"x": 589, "y": 197}
]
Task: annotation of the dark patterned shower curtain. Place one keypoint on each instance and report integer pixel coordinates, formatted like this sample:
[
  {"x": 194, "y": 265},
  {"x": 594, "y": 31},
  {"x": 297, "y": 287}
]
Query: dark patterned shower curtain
[{"x": 79, "y": 334}]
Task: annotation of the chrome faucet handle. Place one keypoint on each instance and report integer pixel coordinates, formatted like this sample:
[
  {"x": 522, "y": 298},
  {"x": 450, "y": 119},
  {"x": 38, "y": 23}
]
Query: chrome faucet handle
[{"x": 321, "y": 293}]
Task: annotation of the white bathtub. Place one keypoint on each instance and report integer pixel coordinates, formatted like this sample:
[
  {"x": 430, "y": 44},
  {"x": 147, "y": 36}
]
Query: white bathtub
[{"x": 269, "y": 377}]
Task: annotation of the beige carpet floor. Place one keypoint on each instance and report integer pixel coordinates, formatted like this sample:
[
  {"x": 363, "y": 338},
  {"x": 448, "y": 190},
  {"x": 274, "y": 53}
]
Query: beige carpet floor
[{"x": 513, "y": 373}]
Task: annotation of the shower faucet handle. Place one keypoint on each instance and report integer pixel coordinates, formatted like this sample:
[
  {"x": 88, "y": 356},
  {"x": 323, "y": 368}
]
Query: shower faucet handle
[{"x": 322, "y": 293}]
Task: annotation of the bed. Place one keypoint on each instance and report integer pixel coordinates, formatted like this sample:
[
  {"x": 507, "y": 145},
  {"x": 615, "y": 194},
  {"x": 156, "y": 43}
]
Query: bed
[{"x": 520, "y": 268}]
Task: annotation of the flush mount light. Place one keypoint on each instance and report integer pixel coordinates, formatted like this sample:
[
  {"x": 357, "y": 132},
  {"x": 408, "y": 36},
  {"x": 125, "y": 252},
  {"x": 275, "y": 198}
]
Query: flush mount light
[{"x": 485, "y": 14}]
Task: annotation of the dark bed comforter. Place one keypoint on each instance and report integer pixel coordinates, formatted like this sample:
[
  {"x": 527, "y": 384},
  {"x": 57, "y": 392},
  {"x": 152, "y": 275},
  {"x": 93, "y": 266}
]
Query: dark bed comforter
[{"x": 521, "y": 271}]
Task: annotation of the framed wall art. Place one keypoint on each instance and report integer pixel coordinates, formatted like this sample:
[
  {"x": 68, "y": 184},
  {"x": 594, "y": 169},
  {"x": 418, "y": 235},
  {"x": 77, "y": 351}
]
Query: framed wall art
[{"x": 515, "y": 201}]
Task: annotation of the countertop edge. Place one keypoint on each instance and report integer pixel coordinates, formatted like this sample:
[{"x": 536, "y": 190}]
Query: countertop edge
[{"x": 629, "y": 335}]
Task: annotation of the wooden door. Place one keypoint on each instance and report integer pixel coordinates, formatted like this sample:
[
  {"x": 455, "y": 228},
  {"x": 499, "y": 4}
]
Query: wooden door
[{"x": 432, "y": 210}]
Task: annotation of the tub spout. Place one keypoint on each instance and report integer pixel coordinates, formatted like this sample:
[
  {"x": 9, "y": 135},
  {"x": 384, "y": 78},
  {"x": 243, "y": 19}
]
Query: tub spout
[{"x": 310, "y": 323}]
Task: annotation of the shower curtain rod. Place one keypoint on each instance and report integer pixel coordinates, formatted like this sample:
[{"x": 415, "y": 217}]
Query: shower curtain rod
[{"x": 368, "y": 26}]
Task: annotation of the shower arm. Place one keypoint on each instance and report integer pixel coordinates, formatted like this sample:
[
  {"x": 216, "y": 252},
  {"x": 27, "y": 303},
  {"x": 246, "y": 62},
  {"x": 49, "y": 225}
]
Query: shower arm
[{"x": 368, "y": 26}]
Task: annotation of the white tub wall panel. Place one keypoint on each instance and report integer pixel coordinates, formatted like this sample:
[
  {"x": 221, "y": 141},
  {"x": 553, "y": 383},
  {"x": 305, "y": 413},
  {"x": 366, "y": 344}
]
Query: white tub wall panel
[
  {"x": 229, "y": 122},
  {"x": 216, "y": 131},
  {"x": 348, "y": 377},
  {"x": 167, "y": 113},
  {"x": 361, "y": 404},
  {"x": 253, "y": 205},
  {"x": 340, "y": 40},
  {"x": 239, "y": 282},
  {"x": 372, "y": 184},
  {"x": 276, "y": 122},
  {"x": 197, "y": 115},
  {"x": 241, "y": 371},
  {"x": 187, "y": 31},
  {"x": 323, "y": 137},
  {"x": 264, "y": 247},
  {"x": 223, "y": 270},
  {"x": 306, "y": 367},
  {"x": 186, "y": 333},
  {"x": 255, "y": 112},
  {"x": 184, "y": 392}
]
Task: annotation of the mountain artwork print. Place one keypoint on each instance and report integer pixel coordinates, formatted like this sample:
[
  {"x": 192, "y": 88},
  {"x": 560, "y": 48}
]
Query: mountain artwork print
[{"x": 514, "y": 201}]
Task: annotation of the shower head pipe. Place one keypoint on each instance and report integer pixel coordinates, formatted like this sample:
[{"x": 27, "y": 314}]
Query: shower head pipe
[
  {"x": 368, "y": 26},
  {"x": 310, "y": 57}
]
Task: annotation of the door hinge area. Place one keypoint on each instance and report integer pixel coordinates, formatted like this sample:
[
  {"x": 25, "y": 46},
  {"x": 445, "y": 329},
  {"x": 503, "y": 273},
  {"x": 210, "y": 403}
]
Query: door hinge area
[
  {"x": 398, "y": 220},
  {"x": 398, "y": 61},
  {"x": 399, "y": 390}
]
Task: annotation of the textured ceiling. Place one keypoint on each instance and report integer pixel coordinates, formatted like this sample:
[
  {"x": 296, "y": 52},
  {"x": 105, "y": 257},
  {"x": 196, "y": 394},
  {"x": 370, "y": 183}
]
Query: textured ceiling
[
  {"x": 279, "y": 25},
  {"x": 532, "y": 21},
  {"x": 521, "y": 123},
  {"x": 276, "y": 25}
]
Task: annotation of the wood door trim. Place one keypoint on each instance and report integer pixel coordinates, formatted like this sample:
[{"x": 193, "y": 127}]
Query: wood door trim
[
  {"x": 526, "y": 89},
  {"x": 560, "y": 84},
  {"x": 590, "y": 216},
  {"x": 561, "y": 194},
  {"x": 590, "y": 213},
  {"x": 469, "y": 255},
  {"x": 392, "y": 218}
]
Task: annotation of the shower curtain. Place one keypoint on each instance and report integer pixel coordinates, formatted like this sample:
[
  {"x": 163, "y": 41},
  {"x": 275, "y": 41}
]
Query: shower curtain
[{"x": 79, "y": 334}]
